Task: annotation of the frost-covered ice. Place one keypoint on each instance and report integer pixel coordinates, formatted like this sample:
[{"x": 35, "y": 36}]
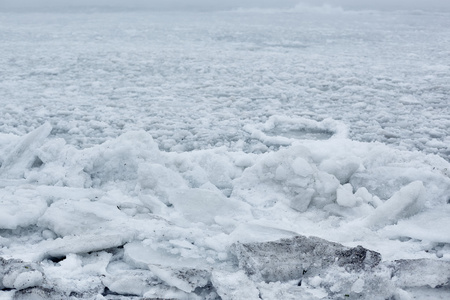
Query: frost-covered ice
[{"x": 237, "y": 155}]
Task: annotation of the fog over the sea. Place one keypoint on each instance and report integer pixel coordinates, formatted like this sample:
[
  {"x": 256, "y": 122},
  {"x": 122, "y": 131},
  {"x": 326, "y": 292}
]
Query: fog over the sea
[{"x": 221, "y": 5}]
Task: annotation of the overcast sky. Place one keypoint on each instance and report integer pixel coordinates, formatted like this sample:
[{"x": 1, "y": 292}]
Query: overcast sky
[{"x": 224, "y": 4}]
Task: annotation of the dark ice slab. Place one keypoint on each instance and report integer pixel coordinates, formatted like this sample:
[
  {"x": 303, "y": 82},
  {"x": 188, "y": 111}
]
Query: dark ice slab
[
  {"x": 289, "y": 259},
  {"x": 408, "y": 273}
]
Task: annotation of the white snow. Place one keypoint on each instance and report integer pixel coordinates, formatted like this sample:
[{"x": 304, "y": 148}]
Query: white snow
[{"x": 137, "y": 147}]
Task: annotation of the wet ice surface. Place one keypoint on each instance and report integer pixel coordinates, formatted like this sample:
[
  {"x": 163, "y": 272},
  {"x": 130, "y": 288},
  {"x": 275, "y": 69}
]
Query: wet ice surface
[{"x": 187, "y": 155}]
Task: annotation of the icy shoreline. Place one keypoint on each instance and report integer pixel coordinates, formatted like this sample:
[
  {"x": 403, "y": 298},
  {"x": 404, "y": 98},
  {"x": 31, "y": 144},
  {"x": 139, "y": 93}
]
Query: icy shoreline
[
  {"x": 117, "y": 213},
  {"x": 181, "y": 155}
]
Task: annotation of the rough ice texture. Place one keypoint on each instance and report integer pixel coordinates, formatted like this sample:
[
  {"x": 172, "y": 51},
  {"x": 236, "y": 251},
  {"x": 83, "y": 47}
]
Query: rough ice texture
[
  {"x": 290, "y": 175},
  {"x": 341, "y": 271},
  {"x": 289, "y": 259},
  {"x": 20, "y": 208},
  {"x": 39, "y": 293},
  {"x": 131, "y": 282},
  {"x": 122, "y": 152},
  {"x": 184, "y": 279},
  {"x": 318, "y": 263},
  {"x": 16, "y": 274},
  {"x": 406, "y": 202},
  {"x": 229, "y": 286},
  {"x": 421, "y": 272},
  {"x": 23, "y": 155},
  {"x": 177, "y": 214}
]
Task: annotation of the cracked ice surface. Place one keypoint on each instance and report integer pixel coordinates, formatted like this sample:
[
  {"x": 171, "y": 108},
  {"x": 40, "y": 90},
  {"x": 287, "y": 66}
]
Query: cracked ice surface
[
  {"x": 194, "y": 155},
  {"x": 195, "y": 80}
]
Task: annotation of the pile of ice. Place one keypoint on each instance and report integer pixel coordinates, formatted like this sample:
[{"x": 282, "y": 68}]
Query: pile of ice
[{"x": 124, "y": 219}]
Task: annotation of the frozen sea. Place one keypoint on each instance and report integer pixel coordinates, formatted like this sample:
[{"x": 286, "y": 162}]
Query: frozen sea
[{"x": 155, "y": 155}]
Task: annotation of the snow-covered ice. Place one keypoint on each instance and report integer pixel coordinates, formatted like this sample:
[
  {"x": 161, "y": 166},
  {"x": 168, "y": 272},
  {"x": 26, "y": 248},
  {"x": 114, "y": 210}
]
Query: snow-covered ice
[{"x": 249, "y": 154}]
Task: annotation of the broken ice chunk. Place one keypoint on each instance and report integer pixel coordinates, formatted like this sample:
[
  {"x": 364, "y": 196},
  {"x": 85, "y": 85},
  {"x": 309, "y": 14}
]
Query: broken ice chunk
[
  {"x": 28, "y": 279},
  {"x": 38, "y": 293},
  {"x": 342, "y": 168},
  {"x": 79, "y": 217},
  {"x": 141, "y": 256},
  {"x": 363, "y": 194},
  {"x": 185, "y": 279},
  {"x": 357, "y": 258},
  {"x": 301, "y": 167},
  {"x": 130, "y": 282},
  {"x": 235, "y": 285},
  {"x": 289, "y": 259},
  {"x": 421, "y": 272},
  {"x": 79, "y": 244},
  {"x": 345, "y": 196},
  {"x": 404, "y": 203},
  {"x": 22, "y": 156},
  {"x": 20, "y": 208},
  {"x": 384, "y": 181},
  {"x": 302, "y": 200},
  {"x": 199, "y": 205},
  {"x": 186, "y": 274},
  {"x": 358, "y": 286},
  {"x": 430, "y": 226},
  {"x": 158, "y": 180},
  {"x": 16, "y": 274}
]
